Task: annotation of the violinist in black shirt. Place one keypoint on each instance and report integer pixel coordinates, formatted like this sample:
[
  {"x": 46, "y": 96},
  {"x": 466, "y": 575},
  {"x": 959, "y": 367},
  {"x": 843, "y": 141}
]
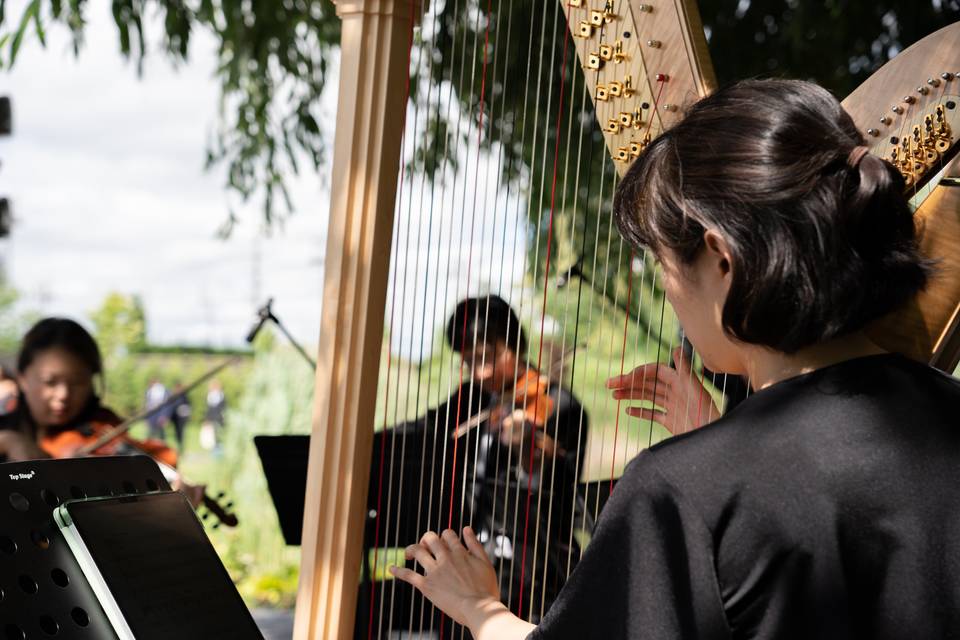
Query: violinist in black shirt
[
  {"x": 479, "y": 443},
  {"x": 826, "y": 504}
]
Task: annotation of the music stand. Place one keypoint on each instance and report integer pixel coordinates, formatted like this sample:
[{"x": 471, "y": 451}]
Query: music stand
[
  {"x": 284, "y": 460},
  {"x": 43, "y": 592}
]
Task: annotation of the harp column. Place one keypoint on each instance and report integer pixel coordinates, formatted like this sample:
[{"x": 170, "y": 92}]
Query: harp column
[{"x": 375, "y": 45}]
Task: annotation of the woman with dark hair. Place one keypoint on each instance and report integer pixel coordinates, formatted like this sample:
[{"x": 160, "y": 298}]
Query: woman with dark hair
[
  {"x": 826, "y": 504},
  {"x": 57, "y": 366}
]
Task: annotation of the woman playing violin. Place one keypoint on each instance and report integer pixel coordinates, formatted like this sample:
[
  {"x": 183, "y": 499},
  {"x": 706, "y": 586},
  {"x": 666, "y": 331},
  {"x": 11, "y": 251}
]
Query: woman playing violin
[{"x": 58, "y": 409}]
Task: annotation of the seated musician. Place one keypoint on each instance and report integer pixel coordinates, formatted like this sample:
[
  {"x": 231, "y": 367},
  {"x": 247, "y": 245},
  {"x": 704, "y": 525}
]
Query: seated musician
[
  {"x": 523, "y": 405},
  {"x": 825, "y": 505},
  {"x": 477, "y": 446},
  {"x": 57, "y": 365}
]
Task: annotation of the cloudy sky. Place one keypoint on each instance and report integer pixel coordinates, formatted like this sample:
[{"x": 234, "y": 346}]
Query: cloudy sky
[{"x": 105, "y": 174}]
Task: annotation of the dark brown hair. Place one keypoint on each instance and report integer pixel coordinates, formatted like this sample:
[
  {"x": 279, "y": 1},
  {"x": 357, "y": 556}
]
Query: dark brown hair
[
  {"x": 488, "y": 319},
  {"x": 821, "y": 246},
  {"x": 61, "y": 333}
]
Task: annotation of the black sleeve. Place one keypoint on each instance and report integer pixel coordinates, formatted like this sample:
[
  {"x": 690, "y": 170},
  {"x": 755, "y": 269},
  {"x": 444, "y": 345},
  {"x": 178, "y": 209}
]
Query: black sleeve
[
  {"x": 570, "y": 422},
  {"x": 648, "y": 572}
]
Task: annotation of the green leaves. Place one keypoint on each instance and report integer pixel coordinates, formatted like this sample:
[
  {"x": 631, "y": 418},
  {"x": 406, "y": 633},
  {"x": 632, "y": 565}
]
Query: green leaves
[
  {"x": 30, "y": 14},
  {"x": 271, "y": 67}
]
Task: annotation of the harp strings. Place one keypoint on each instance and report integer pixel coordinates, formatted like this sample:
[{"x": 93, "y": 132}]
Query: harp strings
[
  {"x": 463, "y": 171},
  {"x": 394, "y": 266}
]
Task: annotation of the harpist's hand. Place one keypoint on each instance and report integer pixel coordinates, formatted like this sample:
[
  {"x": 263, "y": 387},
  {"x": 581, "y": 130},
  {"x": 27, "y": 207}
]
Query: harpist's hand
[
  {"x": 681, "y": 401},
  {"x": 462, "y": 583}
]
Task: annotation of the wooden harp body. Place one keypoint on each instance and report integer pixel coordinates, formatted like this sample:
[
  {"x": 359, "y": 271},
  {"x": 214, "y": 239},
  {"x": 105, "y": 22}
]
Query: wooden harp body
[
  {"x": 641, "y": 64},
  {"x": 659, "y": 37},
  {"x": 909, "y": 112}
]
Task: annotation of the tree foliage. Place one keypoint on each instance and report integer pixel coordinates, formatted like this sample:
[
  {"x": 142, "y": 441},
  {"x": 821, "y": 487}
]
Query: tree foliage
[
  {"x": 120, "y": 325},
  {"x": 272, "y": 63},
  {"x": 273, "y": 60}
]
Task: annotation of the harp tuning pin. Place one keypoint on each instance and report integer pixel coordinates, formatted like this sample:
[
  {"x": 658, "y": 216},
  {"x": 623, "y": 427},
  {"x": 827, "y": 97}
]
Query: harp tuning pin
[
  {"x": 873, "y": 132},
  {"x": 645, "y": 8},
  {"x": 923, "y": 90},
  {"x": 662, "y": 77},
  {"x": 655, "y": 44},
  {"x": 885, "y": 120},
  {"x": 946, "y": 75},
  {"x": 933, "y": 82},
  {"x": 909, "y": 99},
  {"x": 897, "y": 109},
  {"x": 608, "y": 14},
  {"x": 618, "y": 54},
  {"x": 670, "y": 107},
  {"x": 602, "y": 93}
]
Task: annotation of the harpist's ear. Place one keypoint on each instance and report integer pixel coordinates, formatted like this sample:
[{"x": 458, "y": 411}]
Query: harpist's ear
[{"x": 718, "y": 252}]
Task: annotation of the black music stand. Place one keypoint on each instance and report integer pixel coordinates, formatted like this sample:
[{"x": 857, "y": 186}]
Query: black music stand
[
  {"x": 43, "y": 592},
  {"x": 284, "y": 460}
]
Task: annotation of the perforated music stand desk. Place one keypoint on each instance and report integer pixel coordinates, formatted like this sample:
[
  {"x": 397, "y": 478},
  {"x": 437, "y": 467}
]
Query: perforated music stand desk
[{"x": 43, "y": 592}]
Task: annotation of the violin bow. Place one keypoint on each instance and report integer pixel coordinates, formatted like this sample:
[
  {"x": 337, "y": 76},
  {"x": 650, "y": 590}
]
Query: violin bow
[{"x": 117, "y": 431}]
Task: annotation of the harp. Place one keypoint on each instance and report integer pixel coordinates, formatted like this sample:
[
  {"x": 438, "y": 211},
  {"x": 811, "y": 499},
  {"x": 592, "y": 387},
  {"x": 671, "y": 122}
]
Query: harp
[
  {"x": 640, "y": 62},
  {"x": 909, "y": 112}
]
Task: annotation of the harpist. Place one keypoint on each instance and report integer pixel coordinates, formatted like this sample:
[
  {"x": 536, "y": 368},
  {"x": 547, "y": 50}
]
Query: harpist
[{"x": 827, "y": 505}]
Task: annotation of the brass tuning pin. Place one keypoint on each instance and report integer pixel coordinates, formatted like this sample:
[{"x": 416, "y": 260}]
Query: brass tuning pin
[
  {"x": 606, "y": 52},
  {"x": 594, "y": 61},
  {"x": 598, "y": 17},
  {"x": 616, "y": 88},
  {"x": 618, "y": 54},
  {"x": 613, "y": 126},
  {"x": 608, "y": 14},
  {"x": 585, "y": 30},
  {"x": 603, "y": 93}
]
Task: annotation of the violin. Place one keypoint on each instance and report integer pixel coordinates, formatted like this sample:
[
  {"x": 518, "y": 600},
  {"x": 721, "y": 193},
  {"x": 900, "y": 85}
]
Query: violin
[
  {"x": 72, "y": 443},
  {"x": 99, "y": 437},
  {"x": 529, "y": 396}
]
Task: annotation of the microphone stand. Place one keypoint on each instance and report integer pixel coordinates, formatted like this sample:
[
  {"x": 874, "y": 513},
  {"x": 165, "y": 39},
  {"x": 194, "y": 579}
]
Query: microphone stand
[{"x": 265, "y": 314}]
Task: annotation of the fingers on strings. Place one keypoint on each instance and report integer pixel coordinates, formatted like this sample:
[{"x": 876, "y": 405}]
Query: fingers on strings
[{"x": 434, "y": 549}]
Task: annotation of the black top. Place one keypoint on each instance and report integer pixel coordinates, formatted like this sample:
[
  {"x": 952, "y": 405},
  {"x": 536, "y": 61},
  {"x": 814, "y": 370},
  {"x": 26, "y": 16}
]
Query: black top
[
  {"x": 489, "y": 492},
  {"x": 825, "y": 506}
]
